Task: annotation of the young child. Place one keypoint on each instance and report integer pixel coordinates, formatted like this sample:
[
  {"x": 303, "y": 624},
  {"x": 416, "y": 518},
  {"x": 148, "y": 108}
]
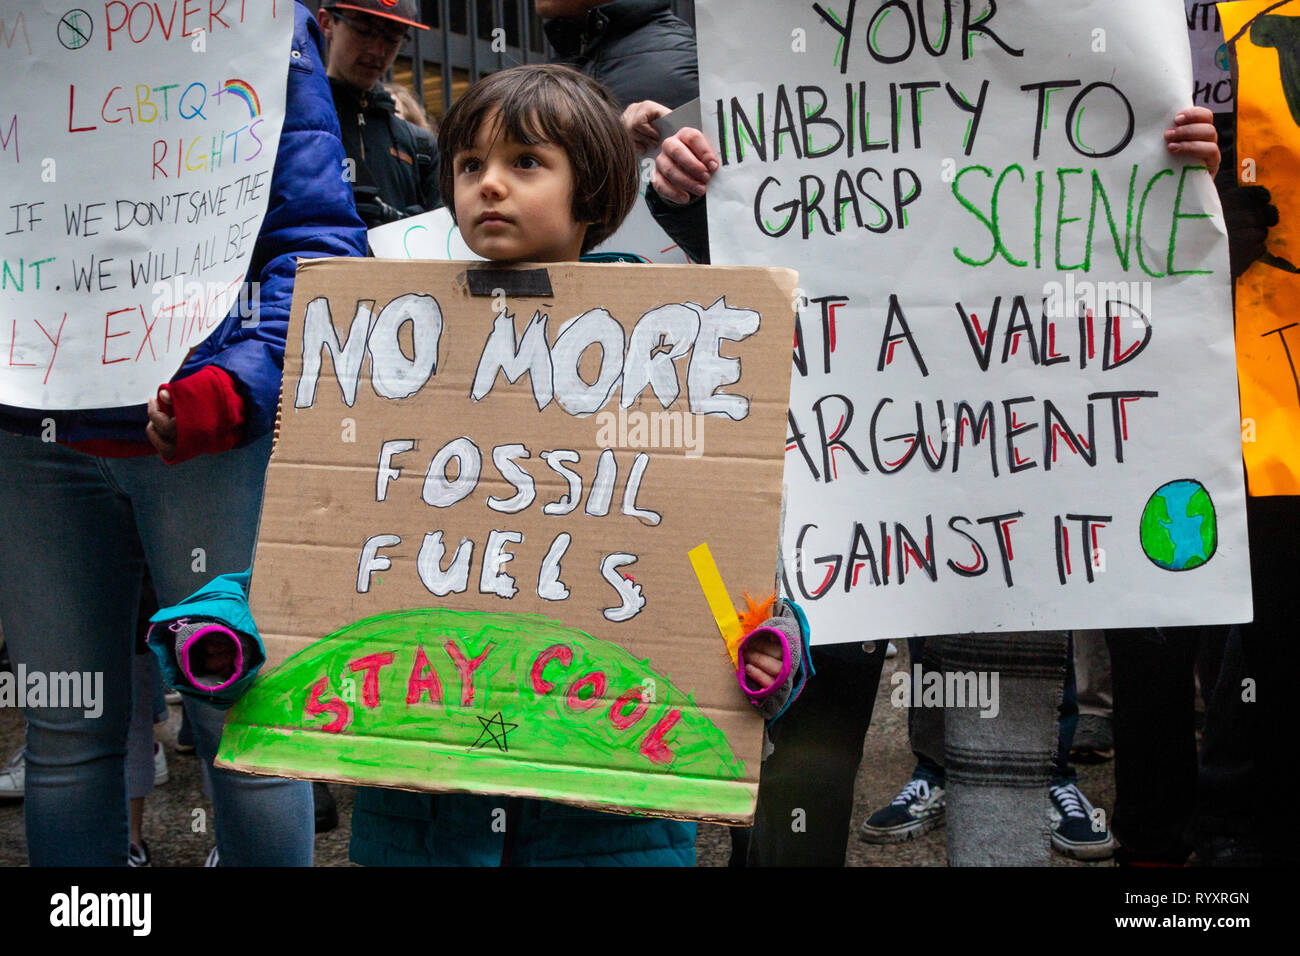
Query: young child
[{"x": 539, "y": 168}]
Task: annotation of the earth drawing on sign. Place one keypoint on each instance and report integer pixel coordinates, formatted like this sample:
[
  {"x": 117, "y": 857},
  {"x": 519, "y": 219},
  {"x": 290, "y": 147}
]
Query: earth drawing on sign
[{"x": 1179, "y": 529}]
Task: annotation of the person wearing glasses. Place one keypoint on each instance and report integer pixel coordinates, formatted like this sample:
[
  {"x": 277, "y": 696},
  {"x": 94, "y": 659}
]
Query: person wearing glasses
[{"x": 393, "y": 165}]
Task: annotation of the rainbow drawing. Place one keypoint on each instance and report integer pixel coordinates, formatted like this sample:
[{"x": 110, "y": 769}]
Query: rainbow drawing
[{"x": 244, "y": 90}]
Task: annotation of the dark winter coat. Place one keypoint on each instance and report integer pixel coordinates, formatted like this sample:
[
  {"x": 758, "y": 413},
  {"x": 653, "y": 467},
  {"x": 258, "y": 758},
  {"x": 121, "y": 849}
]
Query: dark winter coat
[
  {"x": 392, "y": 156},
  {"x": 637, "y": 48},
  {"x": 641, "y": 51}
]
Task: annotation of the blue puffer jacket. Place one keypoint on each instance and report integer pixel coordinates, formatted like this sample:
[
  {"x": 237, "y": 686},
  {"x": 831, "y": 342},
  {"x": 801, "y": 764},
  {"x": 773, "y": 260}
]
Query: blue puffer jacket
[{"x": 310, "y": 214}]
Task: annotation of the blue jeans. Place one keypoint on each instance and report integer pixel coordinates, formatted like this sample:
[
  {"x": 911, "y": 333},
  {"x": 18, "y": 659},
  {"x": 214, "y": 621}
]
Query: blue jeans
[{"x": 77, "y": 533}]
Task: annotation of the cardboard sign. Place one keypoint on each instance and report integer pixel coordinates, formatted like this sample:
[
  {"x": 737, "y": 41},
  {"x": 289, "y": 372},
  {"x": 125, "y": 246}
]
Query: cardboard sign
[
  {"x": 136, "y": 148},
  {"x": 1014, "y": 405},
  {"x": 473, "y": 567},
  {"x": 1266, "y": 37}
]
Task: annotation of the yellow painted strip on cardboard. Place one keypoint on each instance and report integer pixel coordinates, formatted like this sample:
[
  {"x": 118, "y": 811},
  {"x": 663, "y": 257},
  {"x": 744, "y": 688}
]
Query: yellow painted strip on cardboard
[{"x": 715, "y": 592}]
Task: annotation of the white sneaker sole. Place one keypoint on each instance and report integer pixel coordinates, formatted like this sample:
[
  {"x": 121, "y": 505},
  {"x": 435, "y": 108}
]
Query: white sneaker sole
[
  {"x": 1084, "y": 851},
  {"x": 901, "y": 834}
]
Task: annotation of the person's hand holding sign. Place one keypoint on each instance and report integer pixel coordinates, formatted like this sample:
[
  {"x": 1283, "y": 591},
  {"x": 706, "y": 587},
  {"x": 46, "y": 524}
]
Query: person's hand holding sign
[
  {"x": 1194, "y": 137},
  {"x": 200, "y": 414},
  {"x": 162, "y": 424},
  {"x": 685, "y": 164},
  {"x": 770, "y": 658},
  {"x": 639, "y": 120},
  {"x": 763, "y": 659}
]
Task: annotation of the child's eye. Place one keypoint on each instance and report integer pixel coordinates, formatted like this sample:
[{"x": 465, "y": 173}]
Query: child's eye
[
  {"x": 529, "y": 161},
  {"x": 469, "y": 165}
]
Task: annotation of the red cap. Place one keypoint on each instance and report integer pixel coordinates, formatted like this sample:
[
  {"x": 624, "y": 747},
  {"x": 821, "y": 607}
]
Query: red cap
[{"x": 403, "y": 11}]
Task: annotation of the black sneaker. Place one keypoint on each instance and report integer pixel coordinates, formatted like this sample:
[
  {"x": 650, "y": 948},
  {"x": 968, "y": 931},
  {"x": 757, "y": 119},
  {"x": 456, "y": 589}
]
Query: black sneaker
[
  {"x": 1092, "y": 740},
  {"x": 917, "y": 809},
  {"x": 1074, "y": 832},
  {"x": 327, "y": 813}
]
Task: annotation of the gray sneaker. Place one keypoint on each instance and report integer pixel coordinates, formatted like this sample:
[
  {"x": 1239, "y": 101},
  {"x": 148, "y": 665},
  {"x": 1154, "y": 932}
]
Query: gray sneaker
[
  {"x": 13, "y": 776},
  {"x": 918, "y": 808},
  {"x": 1092, "y": 740}
]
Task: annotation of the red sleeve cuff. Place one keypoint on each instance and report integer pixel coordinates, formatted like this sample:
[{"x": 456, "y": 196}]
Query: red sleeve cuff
[{"x": 209, "y": 413}]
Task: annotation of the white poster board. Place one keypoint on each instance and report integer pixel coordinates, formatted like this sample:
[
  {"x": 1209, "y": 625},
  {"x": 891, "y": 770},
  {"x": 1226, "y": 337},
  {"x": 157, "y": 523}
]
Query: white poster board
[
  {"x": 433, "y": 235},
  {"x": 136, "y": 148},
  {"x": 994, "y": 244},
  {"x": 1211, "y": 69},
  {"x": 430, "y": 235}
]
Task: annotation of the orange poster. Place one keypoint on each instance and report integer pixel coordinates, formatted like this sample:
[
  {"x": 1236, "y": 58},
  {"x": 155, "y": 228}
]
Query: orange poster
[{"x": 1265, "y": 35}]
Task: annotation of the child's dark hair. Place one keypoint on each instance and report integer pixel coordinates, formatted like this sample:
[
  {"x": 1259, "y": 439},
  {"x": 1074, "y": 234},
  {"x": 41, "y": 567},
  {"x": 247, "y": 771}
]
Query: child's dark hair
[{"x": 553, "y": 104}]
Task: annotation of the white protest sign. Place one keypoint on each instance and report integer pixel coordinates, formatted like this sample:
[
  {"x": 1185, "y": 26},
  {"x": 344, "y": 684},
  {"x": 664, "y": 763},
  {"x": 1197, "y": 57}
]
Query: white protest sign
[
  {"x": 1211, "y": 70},
  {"x": 433, "y": 235},
  {"x": 136, "y": 148},
  {"x": 430, "y": 235},
  {"x": 1015, "y": 403}
]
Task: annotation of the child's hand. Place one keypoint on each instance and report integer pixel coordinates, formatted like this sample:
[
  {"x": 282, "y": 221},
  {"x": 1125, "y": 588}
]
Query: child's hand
[
  {"x": 1194, "y": 137},
  {"x": 639, "y": 119},
  {"x": 213, "y": 656},
  {"x": 162, "y": 424},
  {"x": 685, "y": 164},
  {"x": 762, "y": 659},
  {"x": 771, "y": 661}
]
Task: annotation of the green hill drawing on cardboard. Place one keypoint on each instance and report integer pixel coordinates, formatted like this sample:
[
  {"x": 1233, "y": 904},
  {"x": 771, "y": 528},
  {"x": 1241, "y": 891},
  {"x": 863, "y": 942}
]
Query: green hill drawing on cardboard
[{"x": 502, "y": 703}]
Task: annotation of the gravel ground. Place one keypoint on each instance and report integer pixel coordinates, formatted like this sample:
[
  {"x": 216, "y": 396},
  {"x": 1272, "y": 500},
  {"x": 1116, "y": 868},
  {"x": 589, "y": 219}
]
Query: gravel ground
[{"x": 170, "y": 820}]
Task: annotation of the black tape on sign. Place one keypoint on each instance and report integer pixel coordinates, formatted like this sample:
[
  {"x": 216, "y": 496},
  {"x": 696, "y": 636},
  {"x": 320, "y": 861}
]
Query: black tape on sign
[{"x": 515, "y": 282}]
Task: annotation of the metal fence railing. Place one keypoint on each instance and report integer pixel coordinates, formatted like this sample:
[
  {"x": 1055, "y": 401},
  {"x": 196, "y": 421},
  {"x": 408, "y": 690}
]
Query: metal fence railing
[{"x": 469, "y": 38}]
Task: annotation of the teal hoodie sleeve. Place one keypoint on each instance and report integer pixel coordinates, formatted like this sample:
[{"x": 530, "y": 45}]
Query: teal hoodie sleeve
[{"x": 222, "y": 603}]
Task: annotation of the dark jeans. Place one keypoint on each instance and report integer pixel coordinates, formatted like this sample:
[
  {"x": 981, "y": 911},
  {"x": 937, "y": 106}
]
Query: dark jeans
[
  {"x": 1152, "y": 679},
  {"x": 1250, "y": 718},
  {"x": 805, "y": 791}
]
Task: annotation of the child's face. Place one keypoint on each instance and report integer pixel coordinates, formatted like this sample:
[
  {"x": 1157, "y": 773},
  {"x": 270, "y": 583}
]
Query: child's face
[{"x": 514, "y": 203}]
